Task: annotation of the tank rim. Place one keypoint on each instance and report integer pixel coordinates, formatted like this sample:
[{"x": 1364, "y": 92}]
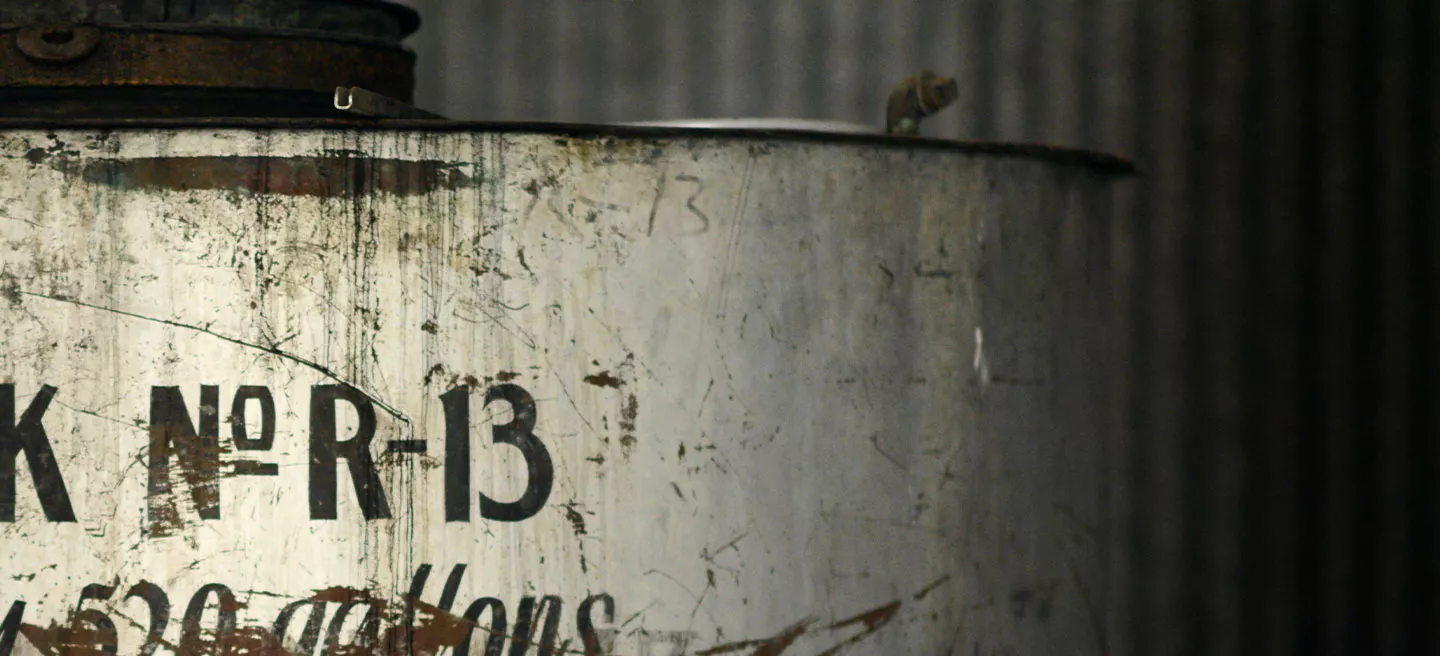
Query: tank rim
[{"x": 1098, "y": 161}]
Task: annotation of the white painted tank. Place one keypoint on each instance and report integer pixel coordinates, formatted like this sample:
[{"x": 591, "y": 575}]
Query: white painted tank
[{"x": 520, "y": 390}]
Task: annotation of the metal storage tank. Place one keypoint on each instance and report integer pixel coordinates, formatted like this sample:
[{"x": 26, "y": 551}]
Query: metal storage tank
[{"x": 299, "y": 382}]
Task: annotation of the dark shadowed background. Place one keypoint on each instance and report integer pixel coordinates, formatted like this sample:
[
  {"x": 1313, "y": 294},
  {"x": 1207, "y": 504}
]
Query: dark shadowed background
[{"x": 1280, "y": 453}]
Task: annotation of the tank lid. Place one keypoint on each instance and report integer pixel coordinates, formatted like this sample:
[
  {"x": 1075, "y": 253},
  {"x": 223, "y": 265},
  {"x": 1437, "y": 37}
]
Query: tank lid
[{"x": 199, "y": 58}]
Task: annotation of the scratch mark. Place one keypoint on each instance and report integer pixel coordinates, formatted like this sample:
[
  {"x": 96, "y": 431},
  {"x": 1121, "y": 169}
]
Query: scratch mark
[
  {"x": 1068, "y": 512},
  {"x": 933, "y": 273},
  {"x": 709, "y": 387},
  {"x": 11, "y": 218},
  {"x": 673, "y": 580},
  {"x": 830, "y": 514},
  {"x": 272, "y": 350},
  {"x": 931, "y": 588},
  {"x": 690, "y": 203},
  {"x": 523, "y": 335},
  {"x": 598, "y": 204},
  {"x": 736, "y": 230},
  {"x": 709, "y": 584},
  {"x": 873, "y": 619},
  {"x": 655, "y": 206},
  {"x": 1019, "y": 382},
  {"x": 571, "y": 399},
  {"x": 981, "y": 366},
  {"x": 875, "y": 442},
  {"x": 710, "y": 557},
  {"x": 1102, "y": 637},
  {"x": 520, "y": 253},
  {"x": 97, "y": 415},
  {"x": 766, "y": 647},
  {"x": 637, "y": 614}
]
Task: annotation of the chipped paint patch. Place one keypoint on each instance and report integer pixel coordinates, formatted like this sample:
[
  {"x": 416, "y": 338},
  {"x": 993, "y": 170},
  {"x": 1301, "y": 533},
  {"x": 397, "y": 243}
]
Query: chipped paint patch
[
  {"x": 628, "y": 414},
  {"x": 603, "y": 379}
]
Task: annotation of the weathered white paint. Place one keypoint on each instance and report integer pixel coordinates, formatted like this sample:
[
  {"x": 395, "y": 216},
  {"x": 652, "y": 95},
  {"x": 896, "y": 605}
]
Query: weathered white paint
[{"x": 782, "y": 428}]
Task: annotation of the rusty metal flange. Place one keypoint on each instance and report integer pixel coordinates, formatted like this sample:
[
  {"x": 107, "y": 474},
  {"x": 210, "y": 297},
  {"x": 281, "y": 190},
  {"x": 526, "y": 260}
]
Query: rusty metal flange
[{"x": 91, "y": 56}]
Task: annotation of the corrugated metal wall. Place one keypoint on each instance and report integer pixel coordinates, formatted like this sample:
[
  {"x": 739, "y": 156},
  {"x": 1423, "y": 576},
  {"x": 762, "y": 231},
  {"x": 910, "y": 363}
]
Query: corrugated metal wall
[
  {"x": 572, "y": 60},
  {"x": 1284, "y": 406}
]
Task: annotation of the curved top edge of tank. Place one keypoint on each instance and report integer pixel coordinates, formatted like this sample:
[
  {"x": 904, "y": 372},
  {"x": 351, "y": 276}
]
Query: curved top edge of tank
[
  {"x": 785, "y": 124},
  {"x": 1101, "y": 162}
]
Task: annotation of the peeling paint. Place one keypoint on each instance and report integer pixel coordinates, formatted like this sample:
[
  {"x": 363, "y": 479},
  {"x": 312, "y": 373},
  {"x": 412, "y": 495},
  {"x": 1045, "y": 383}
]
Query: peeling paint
[
  {"x": 603, "y": 379},
  {"x": 577, "y": 522}
]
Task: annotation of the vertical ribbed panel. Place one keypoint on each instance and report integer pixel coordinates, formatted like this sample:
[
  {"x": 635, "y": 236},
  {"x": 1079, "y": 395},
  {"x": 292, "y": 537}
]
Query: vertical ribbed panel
[
  {"x": 1277, "y": 493},
  {"x": 1028, "y": 67}
]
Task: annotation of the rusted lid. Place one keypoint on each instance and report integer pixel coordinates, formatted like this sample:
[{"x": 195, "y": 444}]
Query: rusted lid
[{"x": 179, "y": 58}]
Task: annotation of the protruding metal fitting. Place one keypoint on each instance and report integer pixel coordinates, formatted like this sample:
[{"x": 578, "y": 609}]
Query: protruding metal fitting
[
  {"x": 368, "y": 103},
  {"x": 199, "y": 58},
  {"x": 916, "y": 97},
  {"x": 57, "y": 44}
]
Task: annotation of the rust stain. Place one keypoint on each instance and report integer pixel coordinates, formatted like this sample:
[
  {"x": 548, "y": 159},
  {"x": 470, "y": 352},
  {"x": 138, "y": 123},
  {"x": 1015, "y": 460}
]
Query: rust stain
[
  {"x": 164, "y": 516},
  {"x": 75, "y": 640},
  {"x": 351, "y": 650},
  {"x": 468, "y": 381},
  {"x": 436, "y": 370},
  {"x": 250, "y": 641},
  {"x": 629, "y": 406},
  {"x": 343, "y": 595},
  {"x": 767, "y": 647},
  {"x": 873, "y": 619},
  {"x": 325, "y": 176},
  {"x": 197, "y": 462},
  {"x": 603, "y": 379},
  {"x": 434, "y": 630},
  {"x": 931, "y": 588}
]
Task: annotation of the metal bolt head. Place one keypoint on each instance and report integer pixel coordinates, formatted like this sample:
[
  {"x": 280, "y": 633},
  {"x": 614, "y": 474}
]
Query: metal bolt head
[{"x": 57, "y": 44}]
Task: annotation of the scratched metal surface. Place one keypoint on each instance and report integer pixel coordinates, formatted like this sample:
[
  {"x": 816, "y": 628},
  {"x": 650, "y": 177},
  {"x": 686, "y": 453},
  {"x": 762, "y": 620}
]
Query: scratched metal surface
[
  {"x": 1281, "y": 456},
  {"x": 596, "y": 395}
]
